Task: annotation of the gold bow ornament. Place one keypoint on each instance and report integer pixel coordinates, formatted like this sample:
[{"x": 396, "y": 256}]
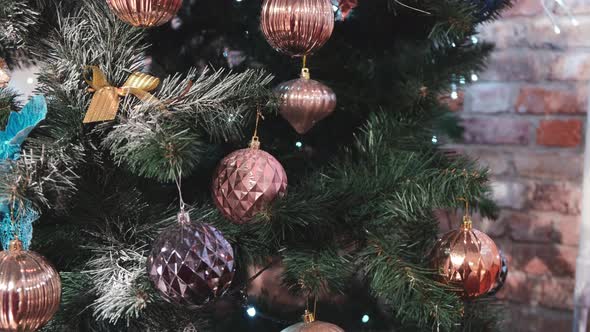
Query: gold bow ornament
[{"x": 105, "y": 101}]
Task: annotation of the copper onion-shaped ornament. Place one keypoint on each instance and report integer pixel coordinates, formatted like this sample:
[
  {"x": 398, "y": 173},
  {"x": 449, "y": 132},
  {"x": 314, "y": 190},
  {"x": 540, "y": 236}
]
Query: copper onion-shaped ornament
[
  {"x": 468, "y": 260},
  {"x": 297, "y": 27},
  {"x": 145, "y": 13},
  {"x": 30, "y": 290},
  {"x": 309, "y": 324},
  {"x": 305, "y": 102}
]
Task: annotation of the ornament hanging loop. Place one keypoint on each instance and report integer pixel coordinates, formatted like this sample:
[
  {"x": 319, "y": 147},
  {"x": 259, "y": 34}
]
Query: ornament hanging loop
[
  {"x": 255, "y": 142},
  {"x": 304, "y": 70},
  {"x": 183, "y": 216},
  {"x": 467, "y": 222}
]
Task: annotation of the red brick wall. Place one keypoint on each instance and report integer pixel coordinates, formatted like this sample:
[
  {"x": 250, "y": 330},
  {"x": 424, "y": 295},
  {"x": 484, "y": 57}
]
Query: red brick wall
[{"x": 525, "y": 119}]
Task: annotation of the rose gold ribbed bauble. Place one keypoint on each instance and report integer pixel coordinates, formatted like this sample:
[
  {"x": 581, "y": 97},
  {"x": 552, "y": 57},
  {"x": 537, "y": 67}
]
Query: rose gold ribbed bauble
[
  {"x": 30, "y": 290},
  {"x": 297, "y": 27},
  {"x": 145, "y": 13},
  {"x": 316, "y": 326},
  {"x": 309, "y": 324},
  {"x": 468, "y": 260},
  {"x": 305, "y": 102},
  {"x": 245, "y": 182}
]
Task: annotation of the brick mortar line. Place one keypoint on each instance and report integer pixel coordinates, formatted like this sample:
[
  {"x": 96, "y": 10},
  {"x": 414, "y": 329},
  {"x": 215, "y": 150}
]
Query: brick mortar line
[
  {"x": 545, "y": 181},
  {"x": 567, "y": 152},
  {"x": 523, "y": 147}
]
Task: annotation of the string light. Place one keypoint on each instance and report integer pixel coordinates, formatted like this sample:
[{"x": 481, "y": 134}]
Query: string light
[
  {"x": 434, "y": 141},
  {"x": 454, "y": 93},
  {"x": 251, "y": 311},
  {"x": 298, "y": 144},
  {"x": 474, "y": 77},
  {"x": 551, "y": 16},
  {"x": 365, "y": 319}
]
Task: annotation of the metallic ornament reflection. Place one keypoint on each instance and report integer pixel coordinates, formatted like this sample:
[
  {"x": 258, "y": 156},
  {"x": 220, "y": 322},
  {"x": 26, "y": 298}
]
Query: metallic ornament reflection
[
  {"x": 305, "y": 102},
  {"x": 245, "y": 182},
  {"x": 30, "y": 290},
  {"x": 502, "y": 275},
  {"x": 297, "y": 27},
  {"x": 191, "y": 263},
  {"x": 467, "y": 259},
  {"x": 145, "y": 13}
]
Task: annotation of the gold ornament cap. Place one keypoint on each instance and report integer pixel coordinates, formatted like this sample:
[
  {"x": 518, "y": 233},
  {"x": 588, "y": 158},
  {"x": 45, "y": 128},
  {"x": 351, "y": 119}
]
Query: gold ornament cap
[
  {"x": 183, "y": 217},
  {"x": 15, "y": 245},
  {"x": 467, "y": 223},
  {"x": 308, "y": 317},
  {"x": 305, "y": 73}
]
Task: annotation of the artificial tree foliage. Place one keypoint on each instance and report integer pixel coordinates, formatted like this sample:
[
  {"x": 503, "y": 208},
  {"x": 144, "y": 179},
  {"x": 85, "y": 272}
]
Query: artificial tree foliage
[{"x": 358, "y": 219}]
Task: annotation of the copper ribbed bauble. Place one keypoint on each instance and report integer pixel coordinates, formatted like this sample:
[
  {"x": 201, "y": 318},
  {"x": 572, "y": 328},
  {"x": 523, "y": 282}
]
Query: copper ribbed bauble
[
  {"x": 304, "y": 102},
  {"x": 191, "y": 263},
  {"x": 312, "y": 325},
  {"x": 468, "y": 260},
  {"x": 297, "y": 27},
  {"x": 145, "y": 13},
  {"x": 245, "y": 182},
  {"x": 30, "y": 289}
]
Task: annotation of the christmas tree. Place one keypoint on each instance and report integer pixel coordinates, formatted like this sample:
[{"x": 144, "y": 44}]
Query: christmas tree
[{"x": 141, "y": 123}]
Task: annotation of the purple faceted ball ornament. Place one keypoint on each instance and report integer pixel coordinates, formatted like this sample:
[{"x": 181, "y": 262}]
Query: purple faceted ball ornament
[
  {"x": 191, "y": 263},
  {"x": 246, "y": 181}
]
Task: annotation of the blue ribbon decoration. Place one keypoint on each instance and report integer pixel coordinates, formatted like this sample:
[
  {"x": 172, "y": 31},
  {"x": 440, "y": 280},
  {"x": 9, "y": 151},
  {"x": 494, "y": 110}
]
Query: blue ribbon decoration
[
  {"x": 19, "y": 126},
  {"x": 24, "y": 217}
]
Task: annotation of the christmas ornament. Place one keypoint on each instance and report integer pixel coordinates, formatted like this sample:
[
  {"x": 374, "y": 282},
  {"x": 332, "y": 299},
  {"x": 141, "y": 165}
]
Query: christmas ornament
[
  {"x": 246, "y": 181},
  {"x": 145, "y": 13},
  {"x": 105, "y": 102},
  {"x": 467, "y": 259},
  {"x": 297, "y": 27},
  {"x": 191, "y": 263},
  {"x": 311, "y": 325},
  {"x": 4, "y": 76},
  {"x": 304, "y": 102},
  {"x": 268, "y": 285},
  {"x": 501, "y": 279},
  {"x": 345, "y": 7},
  {"x": 30, "y": 289}
]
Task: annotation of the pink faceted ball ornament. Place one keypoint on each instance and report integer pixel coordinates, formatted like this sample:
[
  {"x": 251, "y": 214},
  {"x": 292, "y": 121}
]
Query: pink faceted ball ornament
[
  {"x": 245, "y": 182},
  {"x": 145, "y": 13},
  {"x": 305, "y": 102}
]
